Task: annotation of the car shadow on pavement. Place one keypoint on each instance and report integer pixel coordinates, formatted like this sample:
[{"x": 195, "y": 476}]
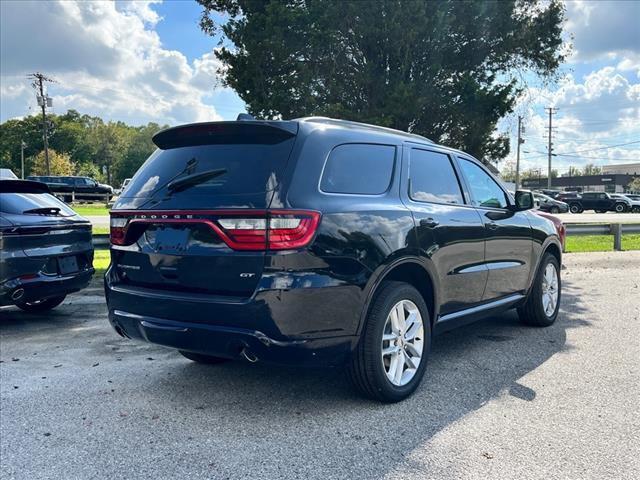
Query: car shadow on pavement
[
  {"x": 468, "y": 367},
  {"x": 247, "y": 416}
]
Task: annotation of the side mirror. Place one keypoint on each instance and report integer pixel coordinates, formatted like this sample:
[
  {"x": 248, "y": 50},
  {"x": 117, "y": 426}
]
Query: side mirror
[{"x": 524, "y": 200}]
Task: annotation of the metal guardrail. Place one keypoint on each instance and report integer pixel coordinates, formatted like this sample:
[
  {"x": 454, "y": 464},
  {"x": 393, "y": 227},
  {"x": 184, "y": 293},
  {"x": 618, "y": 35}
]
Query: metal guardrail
[
  {"x": 101, "y": 240},
  {"x": 99, "y": 197},
  {"x": 615, "y": 229}
]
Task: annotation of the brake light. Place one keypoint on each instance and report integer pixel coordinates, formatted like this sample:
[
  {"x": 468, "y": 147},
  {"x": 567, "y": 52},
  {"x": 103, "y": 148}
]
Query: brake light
[
  {"x": 118, "y": 230},
  {"x": 273, "y": 230},
  {"x": 239, "y": 229}
]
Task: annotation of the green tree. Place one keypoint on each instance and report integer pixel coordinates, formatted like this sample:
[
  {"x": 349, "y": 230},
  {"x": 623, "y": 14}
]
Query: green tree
[
  {"x": 445, "y": 69},
  {"x": 60, "y": 164},
  {"x": 591, "y": 169}
]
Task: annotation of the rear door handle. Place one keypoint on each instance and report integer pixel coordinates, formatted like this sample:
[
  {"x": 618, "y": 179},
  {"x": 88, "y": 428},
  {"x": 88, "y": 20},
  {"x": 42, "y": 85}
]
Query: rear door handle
[
  {"x": 429, "y": 222},
  {"x": 492, "y": 225}
]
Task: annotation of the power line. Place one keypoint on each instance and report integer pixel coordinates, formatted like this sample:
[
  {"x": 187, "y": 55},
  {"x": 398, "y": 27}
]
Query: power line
[{"x": 604, "y": 148}]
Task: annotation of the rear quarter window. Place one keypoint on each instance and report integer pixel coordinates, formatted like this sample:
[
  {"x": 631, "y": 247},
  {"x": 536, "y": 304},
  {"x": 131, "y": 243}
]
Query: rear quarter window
[{"x": 359, "y": 168}]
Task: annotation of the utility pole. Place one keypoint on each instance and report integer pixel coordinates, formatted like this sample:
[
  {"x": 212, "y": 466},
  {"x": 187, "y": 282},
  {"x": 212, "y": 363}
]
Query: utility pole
[
  {"x": 520, "y": 142},
  {"x": 44, "y": 102},
  {"x": 551, "y": 111},
  {"x": 22, "y": 147}
]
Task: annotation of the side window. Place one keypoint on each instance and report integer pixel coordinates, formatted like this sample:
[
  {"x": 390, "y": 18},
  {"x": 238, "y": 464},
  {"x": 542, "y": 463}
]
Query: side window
[
  {"x": 484, "y": 189},
  {"x": 433, "y": 178},
  {"x": 358, "y": 168}
]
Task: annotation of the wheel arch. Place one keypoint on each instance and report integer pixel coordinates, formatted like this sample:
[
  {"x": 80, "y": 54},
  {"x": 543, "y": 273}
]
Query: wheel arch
[{"x": 411, "y": 270}]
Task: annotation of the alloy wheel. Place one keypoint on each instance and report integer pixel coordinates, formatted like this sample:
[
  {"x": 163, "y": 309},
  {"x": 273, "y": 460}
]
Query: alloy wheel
[{"x": 402, "y": 342}]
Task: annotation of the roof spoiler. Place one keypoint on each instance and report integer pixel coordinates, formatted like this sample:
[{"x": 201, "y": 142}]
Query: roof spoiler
[
  {"x": 23, "y": 186},
  {"x": 211, "y": 133}
]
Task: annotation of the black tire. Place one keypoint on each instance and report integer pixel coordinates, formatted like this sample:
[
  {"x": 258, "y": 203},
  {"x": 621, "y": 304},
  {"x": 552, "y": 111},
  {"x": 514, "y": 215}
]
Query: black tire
[
  {"x": 366, "y": 369},
  {"x": 636, "y": 210},
  {"x": 41, "y": 305},
  {"x": 554, "y": 210},
  {"x": 620, "y": 208},
  {"x": 204, "y": 359},
  {"x": 575, "y": 208},
  {"x": 532, "y": 312}
]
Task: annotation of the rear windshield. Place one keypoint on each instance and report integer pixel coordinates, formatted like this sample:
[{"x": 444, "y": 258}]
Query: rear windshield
[
  {"x": 245, "y": 168},
  {"x": 19, "y": 203}
]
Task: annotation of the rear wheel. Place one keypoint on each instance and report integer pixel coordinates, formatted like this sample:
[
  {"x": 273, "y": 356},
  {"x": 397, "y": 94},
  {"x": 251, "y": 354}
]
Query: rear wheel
[
  {"x": 390, "y": 359},
  {"x": 41, "y": 305},
  {"x": 554, "y": 210},
  {"x": 620, "y": 207},
  {"x": 542, "y": 305},
  {"x": 636, "y": 209},
  {"x": 200, "y": 358},
  {"x": 575, "y": 208}
]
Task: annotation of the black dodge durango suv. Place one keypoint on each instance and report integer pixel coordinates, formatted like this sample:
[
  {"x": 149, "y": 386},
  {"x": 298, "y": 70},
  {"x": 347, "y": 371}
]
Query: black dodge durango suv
[{"x": 321, "y": 242}]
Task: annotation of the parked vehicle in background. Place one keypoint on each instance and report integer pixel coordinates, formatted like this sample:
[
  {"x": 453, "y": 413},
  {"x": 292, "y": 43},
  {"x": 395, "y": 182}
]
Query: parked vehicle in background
[
  {"x": 634, "y": 204},
  {"x": 548, "y": 204},
  {"x": 126, "y": 182},
  {"x": 83, "y": 188},
  {"x": 600, "y": 202},
  {"x": 561, "y": 229},
  {"x": 7, "y": 174},
  {"x": 549, "y": 192},
  {"x": 320, "y": 241},
  {"x": 46, "y": 250},
  {"x": 566, "y": 196}
]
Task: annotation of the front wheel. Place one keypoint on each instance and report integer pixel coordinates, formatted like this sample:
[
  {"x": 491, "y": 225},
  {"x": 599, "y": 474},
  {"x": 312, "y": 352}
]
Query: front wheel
[
  {"x": 542, "y": 305},
  {"x": 41, "y": 305},
  {"x": 390, "y": 359},
  {"x": 555, "y": 210}
]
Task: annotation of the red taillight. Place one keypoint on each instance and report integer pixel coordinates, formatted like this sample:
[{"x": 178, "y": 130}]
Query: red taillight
[
  {"x": 118, "y": 230},
  {"x": 239, "y": 229},
  {"x": 272, "y": 230}
]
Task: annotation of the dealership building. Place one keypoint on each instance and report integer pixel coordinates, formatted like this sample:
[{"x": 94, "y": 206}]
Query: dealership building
[{"x": 614, "y": 179}]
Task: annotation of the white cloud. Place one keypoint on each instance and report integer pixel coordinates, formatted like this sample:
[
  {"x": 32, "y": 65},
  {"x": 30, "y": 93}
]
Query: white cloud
[
  {"x": 107, "y": 60},
  {"x": 606, "y": 30},
  {"x": 593, "y": 114}
]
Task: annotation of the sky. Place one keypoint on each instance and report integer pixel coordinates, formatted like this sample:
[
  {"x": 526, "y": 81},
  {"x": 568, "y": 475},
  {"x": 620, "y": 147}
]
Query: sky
[{"x": 147, "y": 60}]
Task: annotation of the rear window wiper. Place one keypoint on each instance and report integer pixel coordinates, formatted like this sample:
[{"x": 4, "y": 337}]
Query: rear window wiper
[
  {"x": 194, "y": 179},
  {"x": 43, "y": 211}
]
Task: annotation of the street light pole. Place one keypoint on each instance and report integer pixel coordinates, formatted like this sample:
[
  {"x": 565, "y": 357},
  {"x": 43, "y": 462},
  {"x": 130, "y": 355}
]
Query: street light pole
[
  {"x": 520, "y": 142},
  {"x": 22, "y": 147}
]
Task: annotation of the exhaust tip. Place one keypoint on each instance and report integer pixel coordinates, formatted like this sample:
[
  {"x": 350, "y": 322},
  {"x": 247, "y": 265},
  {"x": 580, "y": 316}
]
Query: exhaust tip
[
  {"x": 17, "y": 294},
  {"x": 249, "y": 355}
]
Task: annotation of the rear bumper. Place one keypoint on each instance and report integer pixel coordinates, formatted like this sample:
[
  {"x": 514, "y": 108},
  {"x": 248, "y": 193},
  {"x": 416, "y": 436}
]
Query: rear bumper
[
  {"x": 233, "y": 343},
  {"x": 43, "y": 286}
]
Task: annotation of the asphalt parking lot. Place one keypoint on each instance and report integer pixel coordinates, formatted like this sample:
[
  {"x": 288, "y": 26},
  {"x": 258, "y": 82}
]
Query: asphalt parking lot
[{"x": 499, "y": 401}]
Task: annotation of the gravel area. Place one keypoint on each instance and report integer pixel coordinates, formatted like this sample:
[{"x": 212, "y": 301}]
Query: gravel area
[{"x": 499, "y": 401}]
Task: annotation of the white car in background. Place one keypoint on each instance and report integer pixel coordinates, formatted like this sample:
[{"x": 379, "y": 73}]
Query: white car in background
[
  {"x": 7, "y": 174},
  {"x": 635, "y": 202}
]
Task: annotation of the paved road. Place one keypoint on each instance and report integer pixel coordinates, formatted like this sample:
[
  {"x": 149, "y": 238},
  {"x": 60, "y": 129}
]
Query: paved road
[{"x": 499, "y": 401}]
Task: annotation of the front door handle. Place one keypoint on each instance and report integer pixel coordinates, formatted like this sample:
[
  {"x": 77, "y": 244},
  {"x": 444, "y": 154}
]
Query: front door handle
[
  {"x": 492, "y": 225},
  {"x": 429, "y": 222}
]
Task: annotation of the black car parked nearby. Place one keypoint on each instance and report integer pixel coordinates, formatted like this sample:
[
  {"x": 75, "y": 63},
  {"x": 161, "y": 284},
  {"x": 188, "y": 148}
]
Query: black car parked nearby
[
  {"x": 45, "y": 247},
  {"x": 321, "y": 242},
  {"x": 83, "y": 188},
  {"x": 548, "y": 204},
  {"x": 600, "y": 202}
]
